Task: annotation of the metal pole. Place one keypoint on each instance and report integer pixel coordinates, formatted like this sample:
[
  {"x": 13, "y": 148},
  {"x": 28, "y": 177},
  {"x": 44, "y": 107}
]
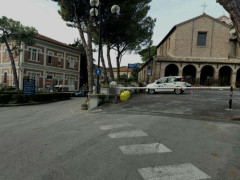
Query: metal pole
[
  {"x": 99, "y": 46},
  {"x": 231, "y": 95}
]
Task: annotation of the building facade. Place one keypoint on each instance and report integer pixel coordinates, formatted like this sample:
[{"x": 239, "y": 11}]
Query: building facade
[
  {"x": 48, "y": 62},
  {"x": 204, "y": 50}
]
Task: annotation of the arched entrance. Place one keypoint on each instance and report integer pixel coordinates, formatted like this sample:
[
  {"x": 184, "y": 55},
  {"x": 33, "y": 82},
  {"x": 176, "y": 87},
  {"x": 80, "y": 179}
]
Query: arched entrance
[
  {"x": 238, "y": 79},
  {"x": 207, "y": 78},
  {"x": 171, "y": 70},
  {"x": 225, "y": 74},
  {"x": 189, "y": 74}
]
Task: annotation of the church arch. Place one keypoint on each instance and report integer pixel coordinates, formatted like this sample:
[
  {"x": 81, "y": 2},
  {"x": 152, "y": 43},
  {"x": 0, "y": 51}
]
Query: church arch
[
  {"x": 238, "y": 79},
  {"x": 225, "y": 74},
  {"x": 171, "y": 70},
  {"x": 189, "y": 74},
  {"x": 207, "y": 76}
]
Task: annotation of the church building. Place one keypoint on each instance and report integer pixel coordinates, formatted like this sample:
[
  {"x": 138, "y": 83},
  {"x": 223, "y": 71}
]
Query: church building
[{"x": 204, "y": 50}]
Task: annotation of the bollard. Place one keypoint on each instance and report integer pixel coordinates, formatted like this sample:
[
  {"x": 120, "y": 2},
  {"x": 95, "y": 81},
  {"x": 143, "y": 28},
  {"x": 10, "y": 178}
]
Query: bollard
[{"x": 231, "y": 95}]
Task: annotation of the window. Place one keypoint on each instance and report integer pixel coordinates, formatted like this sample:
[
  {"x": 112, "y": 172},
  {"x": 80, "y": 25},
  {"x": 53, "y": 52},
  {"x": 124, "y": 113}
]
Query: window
[
  {"x": 34, "y": 54},
  {"x": 50, "y": 55},
  {"x": 71, "y": 62},
  {"x": 172, "y": 80},
  {"x": 6, "y": 54},
  {"x": 35, "y": 76},
  {"x": 59, "y": 59},
  {"x": 71, "y": 81},
  {"x": 58, "y": 80},
  {"x": 5, "y": 77},
  {"x": 49, "y": 77},
  {"x": 202, "y": 36}
]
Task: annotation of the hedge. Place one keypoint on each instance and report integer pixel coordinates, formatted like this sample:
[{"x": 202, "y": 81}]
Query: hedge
[
  {"x": 50, "y": 96},
  {"x": 4, "y": 98},
  {"x": 20, "y": 98},
  {"x": 41, "y": 97}
]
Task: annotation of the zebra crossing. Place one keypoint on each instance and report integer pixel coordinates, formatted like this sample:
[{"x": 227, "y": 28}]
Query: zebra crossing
[{"x": 169, "y": 172}]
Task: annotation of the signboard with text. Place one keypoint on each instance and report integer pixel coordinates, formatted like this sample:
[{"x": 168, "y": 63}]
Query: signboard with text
[
  {"x": 132, "y": 66},
  {"x": 29, "y": 87}
]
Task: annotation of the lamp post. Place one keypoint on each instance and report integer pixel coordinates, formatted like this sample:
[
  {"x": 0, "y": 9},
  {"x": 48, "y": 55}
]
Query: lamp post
[{"x": 96, "y": 10}]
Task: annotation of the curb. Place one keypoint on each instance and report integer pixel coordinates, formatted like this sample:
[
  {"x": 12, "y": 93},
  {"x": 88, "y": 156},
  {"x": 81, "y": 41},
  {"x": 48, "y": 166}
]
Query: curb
[{"x": 31, "y": 104}]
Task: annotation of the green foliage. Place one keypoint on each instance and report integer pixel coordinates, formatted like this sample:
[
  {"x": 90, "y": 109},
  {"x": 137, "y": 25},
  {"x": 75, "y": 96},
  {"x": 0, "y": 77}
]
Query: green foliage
[
  {"x": 134, "y": 75},
  {"x": 4, "y": 98},
  {"x": 2, "y": 87},
  {"x": 131, "y": 29},
  {"x": 144, "y": 53},
  {"x": 15, "y": 32},
  {"x": 105, "y": 86},
  {"x": 20, "y": 98}
]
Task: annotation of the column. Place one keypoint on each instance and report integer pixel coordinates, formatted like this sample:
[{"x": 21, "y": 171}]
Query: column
[
  {"x": 64, "y": 79},
  {"x": 233, "y": 79},
  {"x": 216, "y": 77},
  {"x": 45, "y": 58},
  {"x": 44, "y": 78},
  {"x": 198, "y": 76},
  {"x": 180, "y": 73},
  {"x": 64, "y": 61}
]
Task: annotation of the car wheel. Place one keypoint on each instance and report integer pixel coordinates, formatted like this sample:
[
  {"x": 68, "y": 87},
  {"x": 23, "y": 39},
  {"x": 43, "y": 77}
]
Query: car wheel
[
  {"x": 151, "y": 91},
  {"x": 178, "y": 91}
]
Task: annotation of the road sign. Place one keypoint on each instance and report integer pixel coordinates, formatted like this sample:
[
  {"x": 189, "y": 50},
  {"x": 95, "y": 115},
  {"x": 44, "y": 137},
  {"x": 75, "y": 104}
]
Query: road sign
[
  {"x": 48, "y": 83},
  {"x": 98, "y": 71},
  {"x": 133, "y": 66}
]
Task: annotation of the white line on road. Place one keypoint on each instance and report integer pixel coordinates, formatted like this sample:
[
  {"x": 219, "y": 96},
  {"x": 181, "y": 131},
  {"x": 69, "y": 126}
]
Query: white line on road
[
  {"x": 236, "y": 102},
  {"x": 174, "y": 172},
  {"x": 125, "y": 134},
  {"x": 144, "y": 149},
  {"x": 115, "y": 126}
]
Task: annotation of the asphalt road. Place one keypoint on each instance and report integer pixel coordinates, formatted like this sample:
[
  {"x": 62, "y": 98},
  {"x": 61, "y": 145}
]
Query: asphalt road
[{"x": 163, "y": 136}]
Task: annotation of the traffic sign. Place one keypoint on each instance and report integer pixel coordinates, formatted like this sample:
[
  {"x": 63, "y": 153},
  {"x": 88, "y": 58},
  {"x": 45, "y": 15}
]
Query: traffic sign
[
  {"x": 48, "y": 83},
  {"x": 98, "y": 71},
  {"x": 133, "y": 66}
]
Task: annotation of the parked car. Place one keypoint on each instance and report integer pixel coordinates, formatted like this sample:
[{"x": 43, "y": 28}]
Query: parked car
[
  {"x": 171, "y": 81},
  {"x": 65, "y": 88},
  {"x": 82, "y": 93}
]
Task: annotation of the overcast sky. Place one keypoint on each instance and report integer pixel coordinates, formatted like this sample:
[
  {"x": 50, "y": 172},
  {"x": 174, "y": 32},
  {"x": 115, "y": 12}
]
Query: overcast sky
[{"x": 43, "y": 15}]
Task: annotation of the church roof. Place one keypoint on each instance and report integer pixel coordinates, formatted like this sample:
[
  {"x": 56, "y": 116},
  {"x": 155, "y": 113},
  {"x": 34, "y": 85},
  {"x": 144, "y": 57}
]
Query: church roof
[{"x": 185, "y": 22}]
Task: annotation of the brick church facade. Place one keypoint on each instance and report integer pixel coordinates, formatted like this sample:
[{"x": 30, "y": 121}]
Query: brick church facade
[{"x": 204, "y": 50}]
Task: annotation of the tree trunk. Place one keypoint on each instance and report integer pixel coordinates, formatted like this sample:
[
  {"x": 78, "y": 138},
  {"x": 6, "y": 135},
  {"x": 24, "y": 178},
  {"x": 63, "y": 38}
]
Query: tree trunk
[
  {"x": 88, "y": 48},
  {"x": 12, "y": 63},
  {"x": 118, "y": 65},
  {"x": 90, "y": 55},
  {"x": 104, "y": 67},
  {"x": 233, "y": 8},
  {"x": 109, "y": 63}
]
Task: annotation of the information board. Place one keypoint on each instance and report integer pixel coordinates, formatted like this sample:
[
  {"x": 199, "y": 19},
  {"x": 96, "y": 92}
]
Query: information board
[
  {"x": 132, "y": 66},
  {"x": 29, "y": 87}
]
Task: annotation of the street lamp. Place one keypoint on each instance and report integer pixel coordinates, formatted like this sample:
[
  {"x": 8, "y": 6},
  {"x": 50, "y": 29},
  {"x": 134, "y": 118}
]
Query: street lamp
[{"x": 96, "y": 11}]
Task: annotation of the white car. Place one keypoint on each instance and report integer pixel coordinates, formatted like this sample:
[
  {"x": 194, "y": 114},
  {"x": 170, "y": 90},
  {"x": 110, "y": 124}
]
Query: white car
[{"x": 171, "y": 81}]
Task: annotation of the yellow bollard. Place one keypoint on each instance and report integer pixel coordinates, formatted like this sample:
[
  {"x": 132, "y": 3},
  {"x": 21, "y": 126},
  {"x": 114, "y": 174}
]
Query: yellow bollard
[
  {"x": 128, "y": 94},
  {"x": 123, "y": 96}
]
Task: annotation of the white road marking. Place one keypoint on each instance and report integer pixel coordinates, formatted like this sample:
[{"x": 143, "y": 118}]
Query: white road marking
[
  {"x": 144, "y": 149},
  {"x": 115, "y": 126},
  {"x": 236, "y": 102},
  {"x": 125, "y": 134},
  {"x": 98, "y": 110},
  {"x": 174, "y": 172}
]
